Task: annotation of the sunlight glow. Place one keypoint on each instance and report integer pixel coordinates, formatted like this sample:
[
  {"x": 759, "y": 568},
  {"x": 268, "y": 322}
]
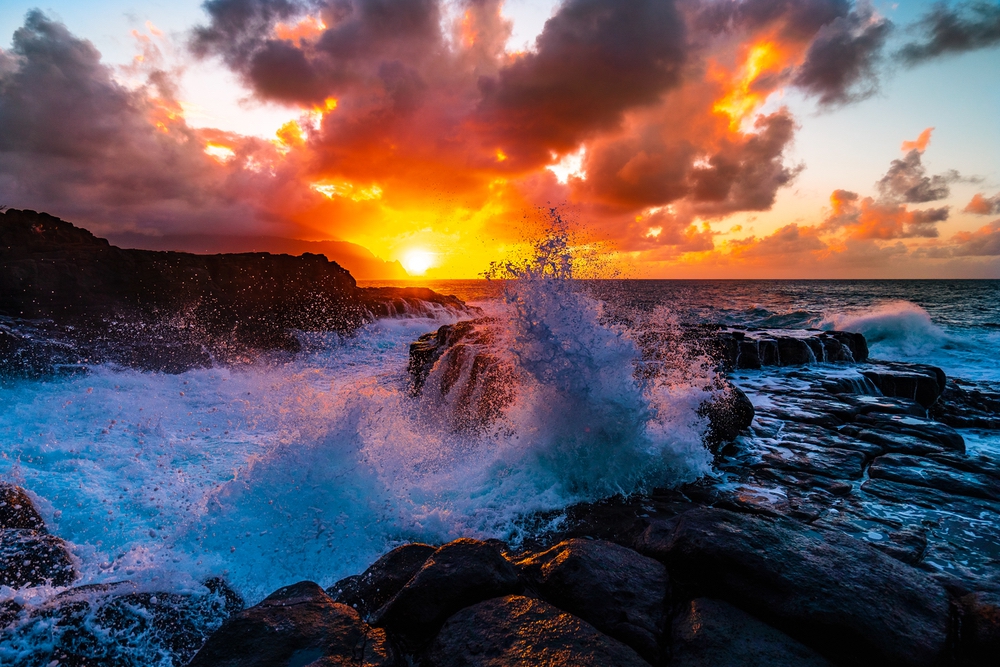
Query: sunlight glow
[
  {"x": 220, "y": 153},
  {"x": 417, "y": 261}
]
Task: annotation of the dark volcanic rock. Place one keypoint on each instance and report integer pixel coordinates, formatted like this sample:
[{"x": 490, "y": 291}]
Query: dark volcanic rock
[
  {"x": 825, "y": 461},
  {"x": 171, "y": 311},
  {"x": 30, "y": 557},
  {"x": 729, "y": 414},
  {"x": 117, "y": 624},
  {"x": 618, "y": 591},
  {"x": 516, "y": 631},
  {"x": 979, "y": 629},
  {"x": 751, "y": 349},
  {"x": 921, "y": 383},
  {"x": 17, "y": 510},
  {"x": 830, "y": 591},
  {"x": 919, "y": 471},
  {"x": 370, "y": 590},
  {"x": 712, "y": 633},
  {"x": 968, "y": 405},
  {"x": 459, "y": 574},
  {"x": 297, "y": 625}
]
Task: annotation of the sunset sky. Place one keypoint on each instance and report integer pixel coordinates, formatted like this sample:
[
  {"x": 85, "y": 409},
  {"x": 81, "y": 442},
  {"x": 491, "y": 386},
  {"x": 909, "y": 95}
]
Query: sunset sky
[{"x": 688, "y": 139}]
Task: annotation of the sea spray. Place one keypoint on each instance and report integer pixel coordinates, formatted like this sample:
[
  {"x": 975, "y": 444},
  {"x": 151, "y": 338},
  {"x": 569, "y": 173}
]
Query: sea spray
[{"x": 899, "y": 328}]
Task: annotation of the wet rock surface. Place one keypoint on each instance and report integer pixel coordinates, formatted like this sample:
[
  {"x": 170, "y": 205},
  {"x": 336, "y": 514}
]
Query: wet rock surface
[
  {"x": 115, "y": 624},
  {"x": 517, "y": 631},
  {"x": 455, "y": 576},
  {"x": 619, "y": 592},
  {"x": 849, "y": 522},
  {"x": 713, "y": 632},
  {"x": 370, "y": 590},
  {"x": 296, "y": 625},
  {"x": 17, "y": 510},
  {"x": 31, "y": 557},
  {"x": 824, "y": 588}
]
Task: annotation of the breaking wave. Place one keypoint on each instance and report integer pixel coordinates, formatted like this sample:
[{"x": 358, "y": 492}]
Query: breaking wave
[{"x": 898, "y": 328}]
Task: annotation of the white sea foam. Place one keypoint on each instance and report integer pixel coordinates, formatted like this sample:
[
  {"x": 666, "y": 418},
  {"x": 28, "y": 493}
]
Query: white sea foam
[{"x": 900, "y": 326}]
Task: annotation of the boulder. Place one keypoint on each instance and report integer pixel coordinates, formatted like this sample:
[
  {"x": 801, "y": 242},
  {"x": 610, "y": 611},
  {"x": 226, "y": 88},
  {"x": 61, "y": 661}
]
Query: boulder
[
  {"x": 618, "y": 591},
  {"x": 31, "y": 558},
  {"x": 296, "y": 625},
  {"x": 17, "y": 510},
  {"x": 369, "y": 591},
  {"x": 979, "y": 629},
  {"x": 120, "y": 624},
  {"x": 713, "y": 633},
  {"x": 517, "y": 631},
  {"x": 459, "y": 574},
  {"x": 830, "y": 591},
  {"x": 729, "y": 413}
]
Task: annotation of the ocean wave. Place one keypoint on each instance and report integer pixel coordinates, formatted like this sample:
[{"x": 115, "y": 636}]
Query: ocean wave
[{"x": 900, "y": 327}]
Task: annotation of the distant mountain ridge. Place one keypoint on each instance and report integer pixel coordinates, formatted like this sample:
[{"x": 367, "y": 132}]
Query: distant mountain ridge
[{"x": 360, "y": 261}]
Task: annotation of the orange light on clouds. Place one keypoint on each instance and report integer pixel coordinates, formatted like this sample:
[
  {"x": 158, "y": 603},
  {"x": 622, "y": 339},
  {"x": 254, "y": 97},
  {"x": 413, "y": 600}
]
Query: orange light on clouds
[
  {"x": 307, "y": 28},
  {"x": 219, "y": 152},
  {"x": 348, "y": 191},
  {"x": 920, "y": 145},
  {"x": 743, "y": 99}
]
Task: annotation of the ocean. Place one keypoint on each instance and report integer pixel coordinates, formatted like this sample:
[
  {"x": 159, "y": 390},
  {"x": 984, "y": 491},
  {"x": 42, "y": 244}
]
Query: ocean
[{"x": 312, "y": 468}]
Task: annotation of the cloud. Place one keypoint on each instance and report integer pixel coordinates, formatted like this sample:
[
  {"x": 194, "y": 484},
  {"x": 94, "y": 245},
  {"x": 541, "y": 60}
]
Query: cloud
[
  {"x": 866, "y": 218},
  {"x": 907, "y": 181},
  {"x": 984, "y": 242},
  {"x": 840, "y": 65},
  {"x": 953, "y": 29},
  {"x": 920, "y": 144},
  {"x": 981, "y": 205},
  {"x": 788, "y": 240}
]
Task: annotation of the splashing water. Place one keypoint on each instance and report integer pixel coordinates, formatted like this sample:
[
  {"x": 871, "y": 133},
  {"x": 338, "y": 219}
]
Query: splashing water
[
  {"x": 899, "y": 328},
  {"x": 311, "y": 469}
]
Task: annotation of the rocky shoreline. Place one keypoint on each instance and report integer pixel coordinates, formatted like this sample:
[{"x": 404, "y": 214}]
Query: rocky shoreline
[{"x": 795, "y": 554}]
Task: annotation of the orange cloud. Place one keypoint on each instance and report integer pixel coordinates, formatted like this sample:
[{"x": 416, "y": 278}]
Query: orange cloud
[
  {"x": 981, "y": 205},
  {"x": 920, "y": 145}
]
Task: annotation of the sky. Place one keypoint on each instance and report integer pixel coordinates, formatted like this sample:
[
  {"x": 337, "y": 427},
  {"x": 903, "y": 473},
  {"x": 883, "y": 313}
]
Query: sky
[{"x": 674, "y": 138}]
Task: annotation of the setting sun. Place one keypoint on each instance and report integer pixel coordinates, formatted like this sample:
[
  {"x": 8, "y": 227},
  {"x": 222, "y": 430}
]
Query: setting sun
[{"x": 417, "y": 261}]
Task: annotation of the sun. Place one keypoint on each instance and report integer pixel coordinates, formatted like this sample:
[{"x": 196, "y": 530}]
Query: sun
[{"x": 417, "y": 261}]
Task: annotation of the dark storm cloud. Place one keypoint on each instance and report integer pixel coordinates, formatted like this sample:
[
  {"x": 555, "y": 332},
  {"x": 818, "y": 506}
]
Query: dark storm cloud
[
  {"x": 746, "y": 175},
  {"x": 845, "y": 40},
  {"x": 952, "y": 29},
  {"x": 840, "y": 65},
  {"x": 594, "y": 60},
  {"x": 359, "y": 36},
  {"x": 76, "y": 142},
  {"x": 907, "y": 181}
]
